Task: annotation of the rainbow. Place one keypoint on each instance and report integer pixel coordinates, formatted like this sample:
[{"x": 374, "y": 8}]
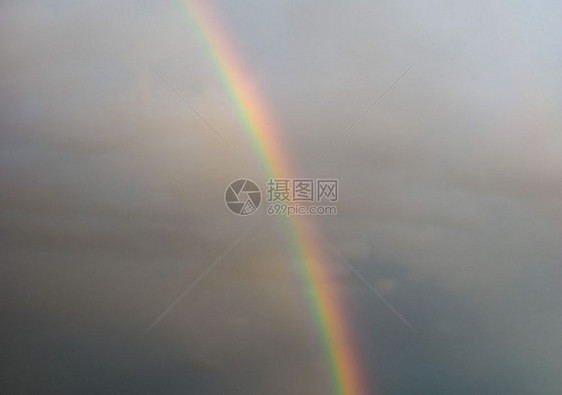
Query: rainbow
[{"x": 337, "y": 339}]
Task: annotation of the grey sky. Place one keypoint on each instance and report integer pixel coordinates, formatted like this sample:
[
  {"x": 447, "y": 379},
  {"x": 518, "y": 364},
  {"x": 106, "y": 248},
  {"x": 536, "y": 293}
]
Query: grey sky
[{"x": 112, "y": 196}]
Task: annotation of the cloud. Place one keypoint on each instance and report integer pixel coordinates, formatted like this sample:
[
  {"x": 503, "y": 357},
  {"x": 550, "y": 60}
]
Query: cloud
[{"x": 112, "y": 196}]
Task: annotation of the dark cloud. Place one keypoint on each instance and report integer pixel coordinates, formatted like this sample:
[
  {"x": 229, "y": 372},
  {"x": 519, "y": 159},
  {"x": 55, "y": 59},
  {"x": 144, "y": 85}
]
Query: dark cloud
[{"x": 112, "y": 197}]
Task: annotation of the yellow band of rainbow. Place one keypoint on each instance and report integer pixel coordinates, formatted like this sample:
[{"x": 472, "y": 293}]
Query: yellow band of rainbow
[{"x": 327, "y": 305}]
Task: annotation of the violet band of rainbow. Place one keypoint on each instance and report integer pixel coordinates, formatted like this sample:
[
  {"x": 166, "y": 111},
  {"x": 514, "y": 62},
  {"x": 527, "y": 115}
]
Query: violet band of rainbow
[{"x": 327, "y": 305}]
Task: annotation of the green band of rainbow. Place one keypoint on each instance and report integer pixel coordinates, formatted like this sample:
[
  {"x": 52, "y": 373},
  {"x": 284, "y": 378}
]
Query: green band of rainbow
[{"x": 326, "y": 303}]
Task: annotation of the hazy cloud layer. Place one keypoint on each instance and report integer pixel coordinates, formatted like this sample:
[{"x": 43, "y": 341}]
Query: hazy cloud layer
[{"x": 112, "y": 196}]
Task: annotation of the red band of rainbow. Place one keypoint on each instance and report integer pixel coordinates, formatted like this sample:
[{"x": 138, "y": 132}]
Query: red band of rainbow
[{"x": 332, "y": 324}]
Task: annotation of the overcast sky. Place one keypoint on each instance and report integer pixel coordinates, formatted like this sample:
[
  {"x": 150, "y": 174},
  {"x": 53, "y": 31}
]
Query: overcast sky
[{"x": 111, "y": 198}]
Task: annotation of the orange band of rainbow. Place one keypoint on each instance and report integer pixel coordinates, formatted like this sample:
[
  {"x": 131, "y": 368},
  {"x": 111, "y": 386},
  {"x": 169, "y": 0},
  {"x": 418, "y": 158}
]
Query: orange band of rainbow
[{"x": 326, "y": 303}]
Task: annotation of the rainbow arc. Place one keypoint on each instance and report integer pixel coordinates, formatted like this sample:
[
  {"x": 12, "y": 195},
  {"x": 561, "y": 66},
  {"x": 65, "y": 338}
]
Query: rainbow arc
[{"x": 326, "y": 304}]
